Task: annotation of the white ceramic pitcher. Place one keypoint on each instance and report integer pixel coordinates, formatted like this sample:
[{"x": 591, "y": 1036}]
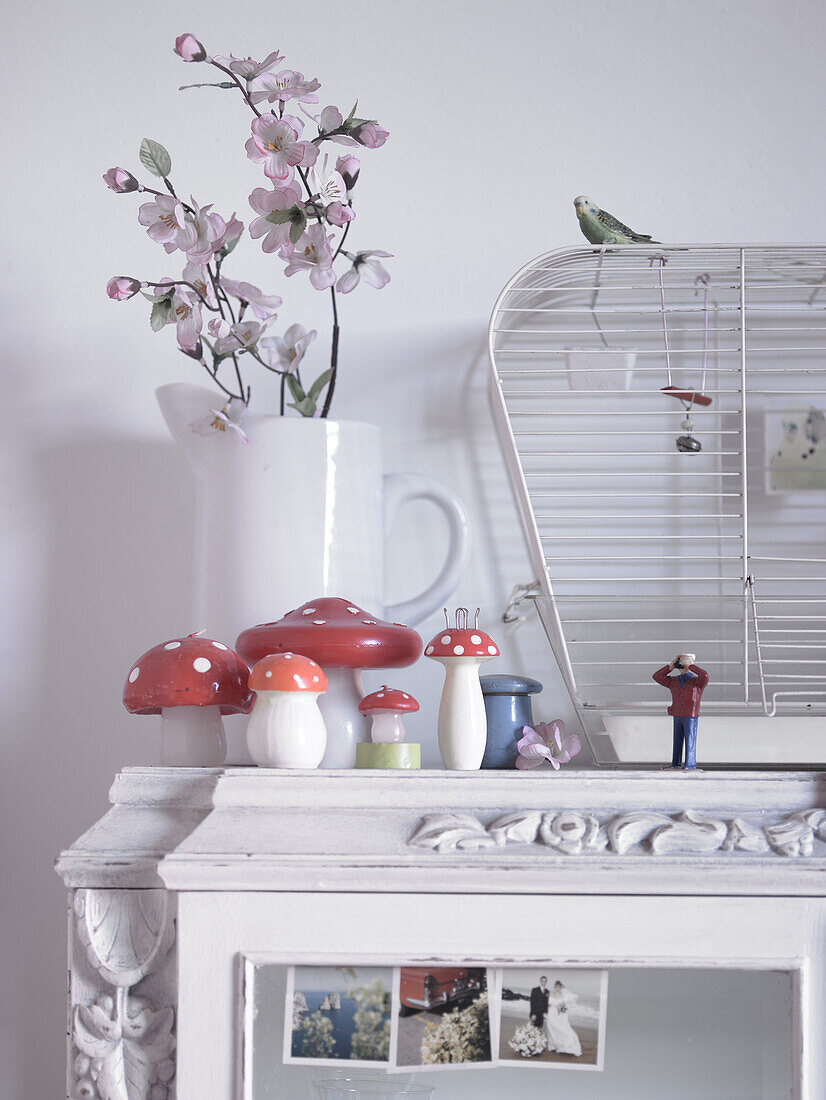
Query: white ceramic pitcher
[{"x": 299, "y": 511}]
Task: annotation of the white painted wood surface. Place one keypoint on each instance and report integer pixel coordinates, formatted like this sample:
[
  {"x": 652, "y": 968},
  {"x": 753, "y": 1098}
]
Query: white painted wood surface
[{"x": 627, "y": 869}]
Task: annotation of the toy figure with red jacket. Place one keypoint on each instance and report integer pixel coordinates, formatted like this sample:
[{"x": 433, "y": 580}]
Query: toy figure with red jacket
[{"x": 686, "y": 682}]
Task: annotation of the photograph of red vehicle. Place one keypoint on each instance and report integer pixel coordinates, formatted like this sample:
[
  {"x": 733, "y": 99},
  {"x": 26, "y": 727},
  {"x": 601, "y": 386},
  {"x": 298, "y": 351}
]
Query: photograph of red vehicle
[
  {"x": 443, "y": 1019},
  {"x": 426, "y": 987}
]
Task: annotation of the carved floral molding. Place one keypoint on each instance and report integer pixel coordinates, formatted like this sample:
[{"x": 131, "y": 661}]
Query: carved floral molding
[
  {"x": 124, "y": 1044},
  {"x": 577, "y": 833}
]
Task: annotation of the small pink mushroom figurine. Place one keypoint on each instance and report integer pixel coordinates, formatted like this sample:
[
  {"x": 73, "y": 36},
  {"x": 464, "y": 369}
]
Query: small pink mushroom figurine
[
  {"x": 386, "y": 707},
  {"x": 190, "y": 682},
  {"x": 463, "y": 723}
]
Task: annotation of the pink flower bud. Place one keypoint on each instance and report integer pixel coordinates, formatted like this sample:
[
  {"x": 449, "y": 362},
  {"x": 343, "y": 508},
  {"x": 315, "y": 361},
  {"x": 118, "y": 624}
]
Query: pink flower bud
[
  {"x": 122, "y": 287},
  {"x": 189, "y": 48},
  {"x": 348, "y": 167},
  {"x": 370, "y": 135},
  {"x": 120, "y": 181}
]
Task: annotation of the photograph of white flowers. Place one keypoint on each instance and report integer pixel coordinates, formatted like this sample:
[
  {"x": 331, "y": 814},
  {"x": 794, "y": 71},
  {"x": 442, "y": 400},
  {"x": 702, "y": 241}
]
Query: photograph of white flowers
[
  {"x": 553, "y": 1018},
  {"x": 441, "y": 1018}
]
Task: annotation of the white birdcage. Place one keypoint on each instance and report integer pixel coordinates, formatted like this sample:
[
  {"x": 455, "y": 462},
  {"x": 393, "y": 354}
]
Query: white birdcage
[{"x": 645, "y": 547}]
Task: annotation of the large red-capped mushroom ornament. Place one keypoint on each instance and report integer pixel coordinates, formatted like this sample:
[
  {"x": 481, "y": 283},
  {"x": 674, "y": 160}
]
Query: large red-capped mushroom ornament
[
  {"x": 190, "y": 682},
  {"x": 344, "y": 639},
  {"x": 463, "y": 726},
  {"x": 286, "y": 729}
]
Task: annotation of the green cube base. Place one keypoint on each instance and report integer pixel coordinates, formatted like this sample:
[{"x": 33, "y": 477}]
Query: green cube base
[{"x": 397, "y": 754}]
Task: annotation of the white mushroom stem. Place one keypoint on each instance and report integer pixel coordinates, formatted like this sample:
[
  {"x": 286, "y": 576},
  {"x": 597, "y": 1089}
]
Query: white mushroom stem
[
  {"x": 346, "y": 727},
  {"x": 388, "y": 726},
  {"x": 192, "y": 737},
  {"x": 463, "y": 726},
  {"x": 286, "y": 730}
]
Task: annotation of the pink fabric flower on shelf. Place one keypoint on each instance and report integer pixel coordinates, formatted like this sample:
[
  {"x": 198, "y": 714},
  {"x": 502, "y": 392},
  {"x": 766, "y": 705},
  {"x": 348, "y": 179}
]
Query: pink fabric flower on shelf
[
  {"x": 339, "y": 213},
  {"x": 283, "y": 86},
  {"x": 262, "y": 305},
  {"x": 189, "y": 48},
  {"x": 218, "y": 327},
  {"x": 122, "y": 287},
  {"x": 221, "y": 420},
  {"x": 366, "y": 268},
  {"x": 371, "y": 135},
  {"x": 546, "y": 742},
  {"x": 285, "y": 353},
  {"x": 120, "y": 181},
  {"x": 275, "y": 144},
  {"x": 268, "y": 201},
  {"x": 166, "y": 223},
  {"x": 312, "y": 253}
]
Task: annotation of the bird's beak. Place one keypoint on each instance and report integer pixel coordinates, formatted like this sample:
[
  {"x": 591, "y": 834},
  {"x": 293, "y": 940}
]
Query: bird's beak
[{"x": 578, "y": 207}]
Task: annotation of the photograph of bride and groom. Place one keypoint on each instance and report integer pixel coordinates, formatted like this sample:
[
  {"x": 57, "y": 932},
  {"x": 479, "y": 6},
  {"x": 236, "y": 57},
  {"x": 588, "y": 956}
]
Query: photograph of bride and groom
[{"x": 554, "y": 1018}]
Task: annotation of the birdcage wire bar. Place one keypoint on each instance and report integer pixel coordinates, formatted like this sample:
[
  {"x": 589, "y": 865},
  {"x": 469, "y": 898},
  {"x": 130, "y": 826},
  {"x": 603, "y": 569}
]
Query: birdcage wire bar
[{"x": 618, "y": 522}]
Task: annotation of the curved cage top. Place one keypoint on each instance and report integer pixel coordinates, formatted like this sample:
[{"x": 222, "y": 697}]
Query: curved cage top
[{"x": 660, "y": 409}]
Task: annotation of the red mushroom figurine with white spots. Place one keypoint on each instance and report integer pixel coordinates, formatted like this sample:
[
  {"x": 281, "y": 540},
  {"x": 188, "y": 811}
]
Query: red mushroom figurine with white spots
[
  {"x": 286, "y": 729},
  {"x": 190, "y": 682},
  {"x": 343, "y": 639},
  {"x": 387, "y": 708},
  {"x": 462, "y": 722}
]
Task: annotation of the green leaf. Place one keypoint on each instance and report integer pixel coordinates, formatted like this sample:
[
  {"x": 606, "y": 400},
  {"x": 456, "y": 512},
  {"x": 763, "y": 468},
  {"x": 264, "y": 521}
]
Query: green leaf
[
  {"x": 160, "y": 314},
  {"x": 279, "y": 217},
  {"x": 155, "y": 158},
  {"x": 299, "y": 224},
  {"x": 225, "y": 251},
  {"x": 352, "y": 112},
  {"x": 306, "y": 407},
  {"x": 315, "y": 390},
  {"x": 295, "y": 388}
]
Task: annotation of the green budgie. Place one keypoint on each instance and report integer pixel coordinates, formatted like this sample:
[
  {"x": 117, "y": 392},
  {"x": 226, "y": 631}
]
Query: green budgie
[{"x": 600, "y": 227}]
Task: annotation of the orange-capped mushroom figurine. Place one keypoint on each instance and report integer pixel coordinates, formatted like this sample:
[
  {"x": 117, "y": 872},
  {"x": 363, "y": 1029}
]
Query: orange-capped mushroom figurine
[{"x": 286, "y": 729}]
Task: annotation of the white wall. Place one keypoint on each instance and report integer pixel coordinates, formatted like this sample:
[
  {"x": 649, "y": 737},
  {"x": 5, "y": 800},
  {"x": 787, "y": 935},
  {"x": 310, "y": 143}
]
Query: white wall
[{"x": 690, "y": 120}]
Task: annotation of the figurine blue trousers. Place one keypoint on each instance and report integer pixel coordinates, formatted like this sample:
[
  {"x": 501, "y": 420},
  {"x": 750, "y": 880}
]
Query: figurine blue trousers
[{"x": 685, "y": 734}]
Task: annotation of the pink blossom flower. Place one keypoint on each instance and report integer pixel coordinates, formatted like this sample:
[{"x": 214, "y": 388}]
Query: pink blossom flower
[
  {"x": 166, "y": 222},
  {"x": 275, "y": 144},
  {"x": 339, "y": 213},
  {"x": 312, "y": 253},
  {"x": 283, "y": 86},
  {"x": 546, "y": 742},
  {"x": 349, "y": 167},
  {"x": 262, "y": 305},
  {"x": 189, "y": 48},
  {"x": 205, "y": 232},
  {"x": 242, "y": 335},
  {"x": 265, "y": 202},
  {"x": 218, "y": 327},
  {"x": 120, "y": 181},
  {"x": 370, "y": 135},
  {"x": 122, "y": 287},
  {"x": 186, "y": 315},
  {"x": 221, "y": 420},
  {"x": 330, "y": 120},
  {"x": 364, "y": 267},
  {"x": 231, "y": 235},
  {"x": 198, "y": 276},
  {"x": 247, "y": 69},
  {"x": 285, "y": 353}
]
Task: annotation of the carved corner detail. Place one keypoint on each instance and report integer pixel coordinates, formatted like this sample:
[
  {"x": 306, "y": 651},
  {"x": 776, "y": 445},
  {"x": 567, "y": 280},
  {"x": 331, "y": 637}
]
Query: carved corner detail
[
  {"x": 124, "y": 1043},
  {"x": 574, "y": 833}
]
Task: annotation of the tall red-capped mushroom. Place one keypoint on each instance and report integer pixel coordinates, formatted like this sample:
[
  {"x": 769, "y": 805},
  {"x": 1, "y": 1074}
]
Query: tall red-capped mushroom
[
  {"x": 190, "y": 682},
  {"x": 462, "y": 723},
  {"x": 344, "y": 639}
]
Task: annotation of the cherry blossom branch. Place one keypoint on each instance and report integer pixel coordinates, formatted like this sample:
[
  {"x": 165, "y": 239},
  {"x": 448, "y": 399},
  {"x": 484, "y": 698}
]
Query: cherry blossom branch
[
  {"x": 331, "y": 385},
  {"x": 234, "y": 78}
]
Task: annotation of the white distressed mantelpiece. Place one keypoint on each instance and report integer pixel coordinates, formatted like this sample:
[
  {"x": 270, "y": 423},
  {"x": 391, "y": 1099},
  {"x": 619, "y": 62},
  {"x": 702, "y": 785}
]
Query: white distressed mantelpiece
[{"x": 597, "y": 832}]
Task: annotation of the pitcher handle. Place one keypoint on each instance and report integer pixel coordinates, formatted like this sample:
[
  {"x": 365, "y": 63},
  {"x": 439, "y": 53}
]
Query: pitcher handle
[{"x": 398, "y": 490}]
